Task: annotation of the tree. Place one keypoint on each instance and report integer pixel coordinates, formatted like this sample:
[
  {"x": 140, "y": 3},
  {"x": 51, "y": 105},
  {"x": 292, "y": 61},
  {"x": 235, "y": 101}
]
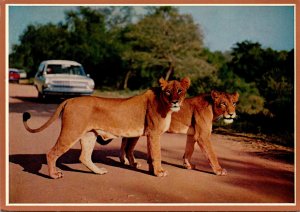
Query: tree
[
  {"x": 167, "y": 42},
  {"x": 247, "y": 61},
  {"x": 38, "y": 43},
  {"x": 119, "y": 20},
  {"x": 271, "y": 76},
  {"x": 87, "y": 39},
  {"x": 97, "y": 35}
]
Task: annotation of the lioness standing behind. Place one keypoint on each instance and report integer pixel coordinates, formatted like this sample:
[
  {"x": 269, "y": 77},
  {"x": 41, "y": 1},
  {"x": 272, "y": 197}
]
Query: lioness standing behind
[
  {"x": 195, "y": 119},
  {"x": 85, "y": 118}
]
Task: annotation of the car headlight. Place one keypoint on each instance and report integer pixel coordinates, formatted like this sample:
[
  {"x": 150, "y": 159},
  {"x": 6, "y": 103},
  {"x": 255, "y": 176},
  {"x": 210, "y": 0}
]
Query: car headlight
[
  {"x": 91, "y": 84},
  {"x": 47, "y": 83}
]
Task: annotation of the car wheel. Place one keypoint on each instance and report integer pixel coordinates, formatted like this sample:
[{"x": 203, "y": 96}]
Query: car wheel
[{"x": 41, "y": 97}]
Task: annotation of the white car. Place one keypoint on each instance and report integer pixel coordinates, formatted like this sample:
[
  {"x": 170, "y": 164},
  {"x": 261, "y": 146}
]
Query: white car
[{"x": 63, "y": 78}]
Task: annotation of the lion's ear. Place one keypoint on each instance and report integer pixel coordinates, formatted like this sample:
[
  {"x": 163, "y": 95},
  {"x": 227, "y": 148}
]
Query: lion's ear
[
  {"x": 236, "y": 95},
  {"x": 215, "y": 94},
  {"x": 185, "y": 82},
  {"x": 163, "y": 83}
]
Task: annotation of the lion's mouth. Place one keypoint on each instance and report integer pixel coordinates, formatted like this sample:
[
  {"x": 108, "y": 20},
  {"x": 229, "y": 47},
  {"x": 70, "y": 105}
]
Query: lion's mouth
[
  {"x": 228, "y": 120},
  {"x": 175, "y": 107}
]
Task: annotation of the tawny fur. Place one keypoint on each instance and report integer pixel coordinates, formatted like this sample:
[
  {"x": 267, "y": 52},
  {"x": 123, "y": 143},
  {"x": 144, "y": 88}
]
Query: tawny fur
[
  {"x": 85, "y": 118},
  {"x": 195, "y": 119}
]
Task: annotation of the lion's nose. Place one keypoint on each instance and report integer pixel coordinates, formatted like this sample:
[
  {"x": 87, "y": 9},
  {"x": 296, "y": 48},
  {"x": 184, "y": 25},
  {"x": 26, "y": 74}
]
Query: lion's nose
[
  {"x": 174, "y": 101},
  {"x": 231, "y": 114}
]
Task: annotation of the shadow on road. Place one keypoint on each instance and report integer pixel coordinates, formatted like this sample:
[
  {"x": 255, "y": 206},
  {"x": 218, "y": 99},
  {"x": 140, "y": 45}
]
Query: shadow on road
[
  {"x": 32, "y": 163},
  {"x": 278, "y": 155},
  {"x": 48, "y": 100},
  {"x": 20, "y": 107}
]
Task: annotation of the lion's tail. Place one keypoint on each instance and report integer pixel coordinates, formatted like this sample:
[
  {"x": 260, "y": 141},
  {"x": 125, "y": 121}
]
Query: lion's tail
[
  {"x": 27, "y": 116},
  {"x": 101, "y": 141}
]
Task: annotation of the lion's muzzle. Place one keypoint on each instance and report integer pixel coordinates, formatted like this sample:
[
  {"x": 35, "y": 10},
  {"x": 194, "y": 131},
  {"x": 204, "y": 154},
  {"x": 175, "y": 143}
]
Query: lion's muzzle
[
  {"x": 228, "y": 119},
  {"x": 175, "y": 106}
]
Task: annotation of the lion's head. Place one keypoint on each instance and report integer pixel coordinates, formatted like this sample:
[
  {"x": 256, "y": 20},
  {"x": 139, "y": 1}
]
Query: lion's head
[
  {"x": 173, "y": 92},
  {"x": 225, "y": 105}
]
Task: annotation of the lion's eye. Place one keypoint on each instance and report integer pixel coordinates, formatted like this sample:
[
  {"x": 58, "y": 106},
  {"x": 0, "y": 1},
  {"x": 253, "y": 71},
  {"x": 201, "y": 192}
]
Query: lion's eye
[
  {"x": 179, "y": 91},
  {"x": 168, "y": 93},
  {"x": 223, "y": 104},
  {"x": 234, "y": 104}
]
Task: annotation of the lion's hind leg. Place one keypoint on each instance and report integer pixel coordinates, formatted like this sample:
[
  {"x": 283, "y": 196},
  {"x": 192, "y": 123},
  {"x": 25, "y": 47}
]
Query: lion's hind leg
[
  {"x": 127, "y": 152},
  {"x": 189, "y": 149},
  {"x": 87, "y": 146},
  {"x": 52, "y": 157},
  {"x": 65, "y": 141},
  {"x": 122, "y": 154}
]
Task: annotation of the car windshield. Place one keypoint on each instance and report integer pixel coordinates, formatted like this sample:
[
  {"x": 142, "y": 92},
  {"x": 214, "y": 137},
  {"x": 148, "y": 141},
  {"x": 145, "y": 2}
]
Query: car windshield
[{"x": 65, "y": 69}]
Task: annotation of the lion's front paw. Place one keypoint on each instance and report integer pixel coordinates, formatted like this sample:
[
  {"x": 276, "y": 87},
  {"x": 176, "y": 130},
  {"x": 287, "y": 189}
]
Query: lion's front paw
[
  {"x": 221, "y": 172},
  {"x": 189, "y": 165},
  {"x": 101, "y": 171},
  {"x": 137, "y": 165},
  {"x": 124, "y": 160},
  {"x": 160, "y": 173},
  {"x": 56, "y": 175}
]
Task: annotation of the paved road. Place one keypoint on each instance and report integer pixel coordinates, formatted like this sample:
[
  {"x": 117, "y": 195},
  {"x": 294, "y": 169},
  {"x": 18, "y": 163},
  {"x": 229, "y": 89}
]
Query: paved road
[{"x": 257, "y": 172}]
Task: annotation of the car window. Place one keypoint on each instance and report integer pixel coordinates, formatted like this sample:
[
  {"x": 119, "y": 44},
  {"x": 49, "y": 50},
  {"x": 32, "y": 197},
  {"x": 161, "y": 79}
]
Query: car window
[
  {"x": 64, "y": 69},
  {"x": 41, "y": 67}
]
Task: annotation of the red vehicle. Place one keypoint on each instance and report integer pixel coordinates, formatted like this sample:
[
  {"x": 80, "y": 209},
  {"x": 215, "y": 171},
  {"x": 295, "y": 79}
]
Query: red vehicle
[{"x": 14, "y": 75}]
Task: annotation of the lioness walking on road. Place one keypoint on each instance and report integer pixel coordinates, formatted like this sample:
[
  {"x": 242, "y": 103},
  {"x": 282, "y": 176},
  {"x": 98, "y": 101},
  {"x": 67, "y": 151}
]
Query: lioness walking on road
[
  {"x": 85, "y": 118},
  {"x": 195, "y": 119}
]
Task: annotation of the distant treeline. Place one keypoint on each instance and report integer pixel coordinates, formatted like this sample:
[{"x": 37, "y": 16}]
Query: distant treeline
[{"x": 123, "y": 50}]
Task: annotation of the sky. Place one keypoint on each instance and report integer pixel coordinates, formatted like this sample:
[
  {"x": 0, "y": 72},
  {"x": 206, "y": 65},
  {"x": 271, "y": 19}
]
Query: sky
[{"x": 222, "y": 26}]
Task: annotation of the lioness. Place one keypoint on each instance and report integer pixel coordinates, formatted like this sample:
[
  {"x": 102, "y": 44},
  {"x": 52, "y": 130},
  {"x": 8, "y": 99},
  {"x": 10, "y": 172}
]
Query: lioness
[
  {"x": 194, "y": 119},
  {"x": 85, "y": 118}
]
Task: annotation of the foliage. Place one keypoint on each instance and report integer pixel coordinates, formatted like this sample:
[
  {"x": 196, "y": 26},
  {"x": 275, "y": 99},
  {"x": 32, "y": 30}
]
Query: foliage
[
  {"x": 271, "y": 74},
  {"x": 37, "y": 42},
  {"x": 83, "y": 37},
  {"x": 165, "y": 43}
]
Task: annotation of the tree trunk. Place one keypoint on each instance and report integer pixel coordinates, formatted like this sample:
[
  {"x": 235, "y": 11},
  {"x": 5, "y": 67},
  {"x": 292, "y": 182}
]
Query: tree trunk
[
  {"x": 169, "y": 72},
  {"x": 125, "y": 86}
]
